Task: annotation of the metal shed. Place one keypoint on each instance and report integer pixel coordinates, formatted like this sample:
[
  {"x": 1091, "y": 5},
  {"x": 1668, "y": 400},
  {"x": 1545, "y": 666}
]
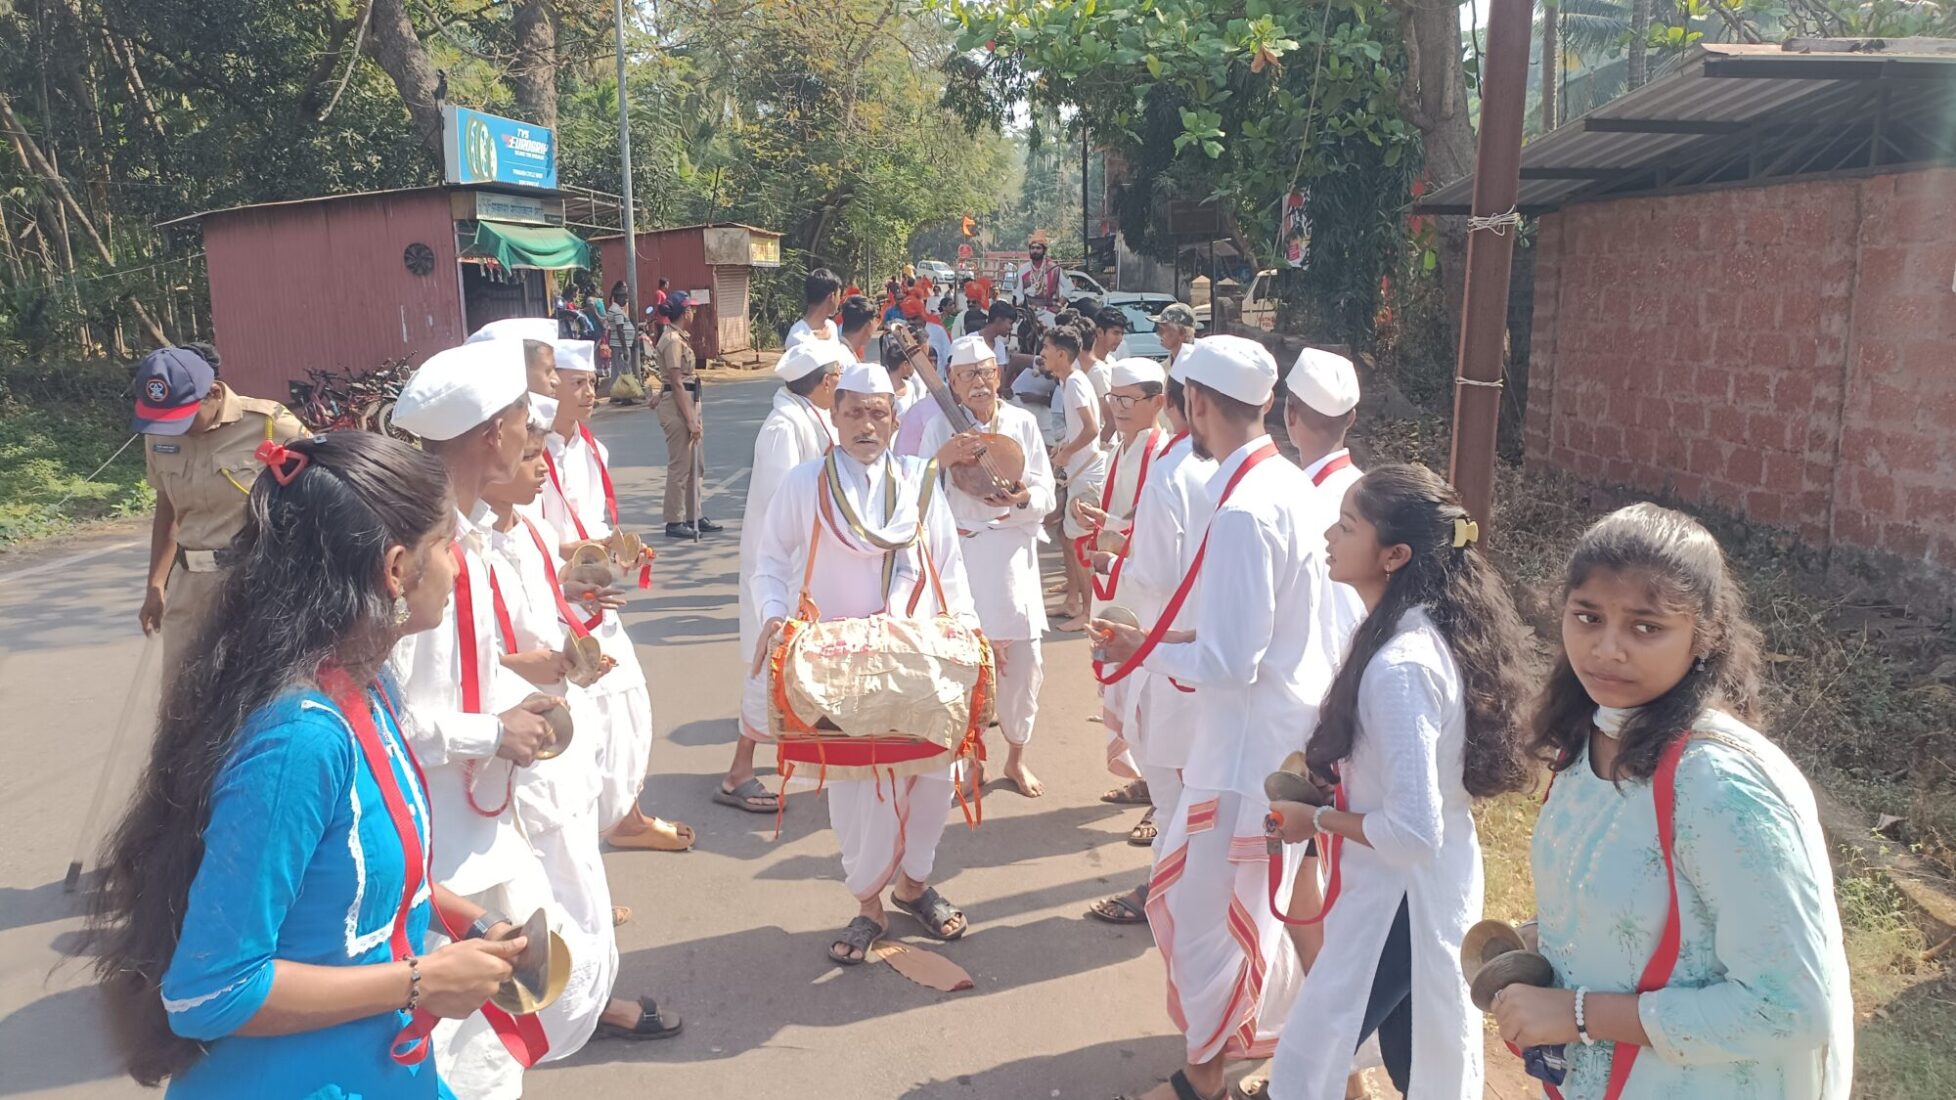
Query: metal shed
[
  {"x": 714, "y": 263},
  {"x": 347, "y": 282}
]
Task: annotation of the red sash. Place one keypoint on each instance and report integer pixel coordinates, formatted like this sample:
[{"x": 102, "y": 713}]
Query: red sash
[
  {"x": 1324, "y": 473},
  {"x": 604, "y": 474},
  {"x": 465, "y": 644},
  {"x": 1331, "y": 848},
  {"x": 1106, "y": 593},
  {"x": 522, "y": 1035},
  {"x": 1175, "y": 602},
  {"x": 1670, "y": 942},
  {"x": 610, "y": 501},
  {"x": 579, "y": 627}
]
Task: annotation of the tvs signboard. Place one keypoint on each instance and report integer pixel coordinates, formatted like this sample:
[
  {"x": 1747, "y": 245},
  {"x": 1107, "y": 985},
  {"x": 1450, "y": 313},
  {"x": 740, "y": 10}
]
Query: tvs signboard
[{"x": 481, "y": 148}]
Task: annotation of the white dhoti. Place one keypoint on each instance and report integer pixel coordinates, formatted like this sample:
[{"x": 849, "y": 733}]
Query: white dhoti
[
  {"x": 1022, "y": 673},
  {"x": 888, "y": 825},
  {"x": 470, "y": 1056},
  {"x": 1232, "y": 972},
  {"x": 625, "y": 752},
  {"x": 1120, "y": 754},
  {"x": 557, "y": 812}
]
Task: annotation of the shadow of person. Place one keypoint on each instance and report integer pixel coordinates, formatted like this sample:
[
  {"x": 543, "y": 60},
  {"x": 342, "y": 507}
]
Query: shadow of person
[
  {"x": 742, "y": 989},
  {"x": 60, "y": 1040},
  {"x": 1096, "y": 1071}
]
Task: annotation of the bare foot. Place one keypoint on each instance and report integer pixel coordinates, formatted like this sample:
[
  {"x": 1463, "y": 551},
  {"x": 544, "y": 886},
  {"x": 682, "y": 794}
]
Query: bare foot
[
  {"x": 1021, "y": 776},
  {"x": 1073, "y": 625}
]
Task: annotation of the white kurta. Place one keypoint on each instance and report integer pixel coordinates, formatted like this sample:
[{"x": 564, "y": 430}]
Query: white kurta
[
  {"x": 1168, "y": 524},
  {"x": 882, "y": 825},
  {"x": 1404, "y": 775},
  {"x": 481, "y": 857},
  {"x": 801, "y": 333},
  {"x": 794, "y": 432},
  {"x": 1132, "y": 462},
  {"x": 574, "y": 504},
  {"x": 556, "y": 803},
  {"x": 1232, "y": 969},
  {"x": 1001, "y": 559},
  {"x": 1339, "y": 608}
]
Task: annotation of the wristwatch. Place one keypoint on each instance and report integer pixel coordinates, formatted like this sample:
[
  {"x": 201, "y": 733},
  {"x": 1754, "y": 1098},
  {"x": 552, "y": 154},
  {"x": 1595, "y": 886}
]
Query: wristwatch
[{"x": 480, "y": 926}]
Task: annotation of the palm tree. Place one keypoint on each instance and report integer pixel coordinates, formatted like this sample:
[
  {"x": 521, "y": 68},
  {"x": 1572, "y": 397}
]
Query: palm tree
[{"x": 1639, "y": 42}]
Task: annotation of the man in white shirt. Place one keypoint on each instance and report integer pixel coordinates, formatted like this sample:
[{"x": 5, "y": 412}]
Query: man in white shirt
[
  {"x": 581, "y": 504},
  {"x": 1000, "y": 536},
  {"x": 796, "y": 430},
  {"x": 856, "y": 323},
  {"x": 821, "y": 290},
  {"x": 1079, "y": 456},
  {"x": 1256, "y": 664},
  {"x": 470, "y": 720},
  {"x": 1168, "y": 523},
  {"x": 888, "y": 829}
]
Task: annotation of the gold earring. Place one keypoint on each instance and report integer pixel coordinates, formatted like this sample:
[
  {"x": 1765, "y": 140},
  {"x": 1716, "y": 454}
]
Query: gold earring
[{"x": 401, "y": 613}]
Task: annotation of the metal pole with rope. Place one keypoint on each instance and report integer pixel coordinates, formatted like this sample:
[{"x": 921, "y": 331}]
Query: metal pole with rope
[{"x": 116, "y": 740}]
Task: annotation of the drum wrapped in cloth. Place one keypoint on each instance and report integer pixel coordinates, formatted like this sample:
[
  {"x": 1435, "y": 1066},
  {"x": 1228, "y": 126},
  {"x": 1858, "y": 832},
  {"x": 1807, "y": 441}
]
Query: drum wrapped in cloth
[{"x": 880, "y": 695}]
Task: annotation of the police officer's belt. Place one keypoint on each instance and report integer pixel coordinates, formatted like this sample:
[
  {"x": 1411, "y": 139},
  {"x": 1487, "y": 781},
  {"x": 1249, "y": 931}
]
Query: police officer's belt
[{"x": 204, "y": 561}]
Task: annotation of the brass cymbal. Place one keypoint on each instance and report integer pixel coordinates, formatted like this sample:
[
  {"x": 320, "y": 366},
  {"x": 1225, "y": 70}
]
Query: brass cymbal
[
  {"x": 1512, "y": 968},
  {"x": 1292, "y": 782},
  {"x": 540, "y": 972},
  {"x": 560, "y": 732}
]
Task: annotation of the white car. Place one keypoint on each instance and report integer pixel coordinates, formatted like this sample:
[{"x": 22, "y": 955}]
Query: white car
[
  {"x": 940, "y": 272},
  {"x": 1259, "y": 305},
  {"x": 1085, "y": 284},
  {"x": 1141, "y": 310}
]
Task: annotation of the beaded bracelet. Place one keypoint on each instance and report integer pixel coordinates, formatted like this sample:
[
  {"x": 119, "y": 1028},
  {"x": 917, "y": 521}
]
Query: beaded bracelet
[
  {"x": 1582, "y": 1024},
  {"x": 414, "y": 984}
]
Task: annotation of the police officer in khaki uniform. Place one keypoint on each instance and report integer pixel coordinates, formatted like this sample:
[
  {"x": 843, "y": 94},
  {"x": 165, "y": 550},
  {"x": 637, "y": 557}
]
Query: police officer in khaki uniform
[{"x": 201, "y": 439}]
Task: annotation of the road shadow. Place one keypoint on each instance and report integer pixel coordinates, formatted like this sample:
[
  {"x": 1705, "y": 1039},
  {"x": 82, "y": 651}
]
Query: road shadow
[
  {"x": 1101, "y": 1070},
  {"x": 740, "y": 990},
  {"x": 40, "y": 904},
  {"x": 55, "y": 1042},
  {"x": 709, "y": 731}
]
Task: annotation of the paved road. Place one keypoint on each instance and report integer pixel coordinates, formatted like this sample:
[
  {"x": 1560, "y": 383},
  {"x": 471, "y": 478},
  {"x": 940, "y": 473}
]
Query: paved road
[{"x": 732, "y": 934}]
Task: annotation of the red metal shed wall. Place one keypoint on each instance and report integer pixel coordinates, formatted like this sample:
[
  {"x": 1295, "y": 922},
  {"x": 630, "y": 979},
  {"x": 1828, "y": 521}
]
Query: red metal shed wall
[
  {"x": 322, "y": 285},
  {"x": 1779, "y": 352},
  {"x": 678, "y": 255}
]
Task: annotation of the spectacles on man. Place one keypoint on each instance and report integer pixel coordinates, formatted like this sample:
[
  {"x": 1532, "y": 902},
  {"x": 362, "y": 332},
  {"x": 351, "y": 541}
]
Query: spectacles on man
[
  {"x": 975, "y": 374},
  {"x": 1125, "y": 402}
]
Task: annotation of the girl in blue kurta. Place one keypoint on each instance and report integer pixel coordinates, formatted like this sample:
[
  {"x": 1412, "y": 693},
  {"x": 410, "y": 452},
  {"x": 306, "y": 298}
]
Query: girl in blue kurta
[
  {"x": 1650, "y": 702},
  {"x": 263, "y": 903}
]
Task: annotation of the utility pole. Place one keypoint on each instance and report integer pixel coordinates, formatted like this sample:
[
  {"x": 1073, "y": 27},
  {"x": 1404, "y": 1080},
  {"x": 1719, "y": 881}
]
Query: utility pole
[
  {"x": 625, "y": 168},
  {"x": 1491, "y": 231},
  {"x": 1084, "y": 222}
]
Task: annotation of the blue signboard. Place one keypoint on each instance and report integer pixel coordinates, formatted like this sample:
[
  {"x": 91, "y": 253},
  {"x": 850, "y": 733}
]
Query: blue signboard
[{"x": 480, "y": 148}]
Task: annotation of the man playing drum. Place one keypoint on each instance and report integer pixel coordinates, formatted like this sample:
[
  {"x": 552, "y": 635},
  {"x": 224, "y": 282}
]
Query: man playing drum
[{"x": 870, "y": 513}]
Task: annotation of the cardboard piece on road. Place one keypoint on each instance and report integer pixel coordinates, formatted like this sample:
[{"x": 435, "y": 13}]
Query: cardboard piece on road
[{"x": 926, "y": 968}]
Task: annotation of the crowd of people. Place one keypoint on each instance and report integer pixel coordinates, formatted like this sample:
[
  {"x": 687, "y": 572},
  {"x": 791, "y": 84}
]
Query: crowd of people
[{"x": 1309, "y": 674}]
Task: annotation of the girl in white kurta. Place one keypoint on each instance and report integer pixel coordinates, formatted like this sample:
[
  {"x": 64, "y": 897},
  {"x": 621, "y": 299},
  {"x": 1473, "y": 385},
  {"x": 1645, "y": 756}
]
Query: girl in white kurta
[
  {"x": 1659, "y": 665},
  {"x": 1419, "y": 722},
  {"x": 579, "y": 501}
]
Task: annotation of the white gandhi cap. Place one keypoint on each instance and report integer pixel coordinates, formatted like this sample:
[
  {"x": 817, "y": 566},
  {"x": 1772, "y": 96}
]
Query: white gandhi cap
[
  {"x": 866, "y": 378},
  {"x": 577, "y": 356},
  {"x": 807, "y": 357},
  {"x": 461, "y": 388},
  {"x": 1231, "y": 365},
  {"x": 1135, "y": 371},
  {"x": 543, "y": 411},
  {"x": 970, "y": 351},
  {"x": 1325, "y": 381}
]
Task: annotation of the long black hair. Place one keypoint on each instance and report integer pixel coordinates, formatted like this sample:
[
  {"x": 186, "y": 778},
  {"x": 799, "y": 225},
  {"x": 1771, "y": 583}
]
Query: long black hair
[
  {"x": 1464, "y": 596},
  {"x": 1686, "y": 571},
  {"x": 306, "y": 587}
]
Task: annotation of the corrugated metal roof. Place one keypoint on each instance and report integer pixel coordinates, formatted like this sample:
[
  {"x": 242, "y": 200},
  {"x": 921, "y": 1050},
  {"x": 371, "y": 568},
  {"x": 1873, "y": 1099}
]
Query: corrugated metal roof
[
  {"x": 539, "y": 192},
  {"x": 685, "y": 228},
  {"x": 1719, "y": 92}
]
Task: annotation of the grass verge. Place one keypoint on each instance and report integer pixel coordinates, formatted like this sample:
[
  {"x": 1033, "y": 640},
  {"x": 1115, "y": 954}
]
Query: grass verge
[{"x": 47, "y": 448}]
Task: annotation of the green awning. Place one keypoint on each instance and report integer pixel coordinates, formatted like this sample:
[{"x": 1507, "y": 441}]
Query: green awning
[{"x": 541, "y": 246}]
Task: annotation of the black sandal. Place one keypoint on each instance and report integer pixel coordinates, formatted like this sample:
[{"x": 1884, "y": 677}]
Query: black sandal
[
  {"x": 751, "y": 796},
  {"x": 1128, "y": 908},
  {"x": 934, "y": 913},
  {"x": 652, "y": 1024},
  {"x": 1143, "y": 833},
  {"x": 860, "y": 934}
]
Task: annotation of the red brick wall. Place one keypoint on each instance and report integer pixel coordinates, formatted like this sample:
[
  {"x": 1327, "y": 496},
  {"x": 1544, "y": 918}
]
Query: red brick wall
[{"x": 1786, "y": 353}]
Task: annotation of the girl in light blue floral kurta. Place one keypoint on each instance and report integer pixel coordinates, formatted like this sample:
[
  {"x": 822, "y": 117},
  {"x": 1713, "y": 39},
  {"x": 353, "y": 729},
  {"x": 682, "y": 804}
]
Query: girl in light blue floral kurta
[{"x": 1657, "y": 647}]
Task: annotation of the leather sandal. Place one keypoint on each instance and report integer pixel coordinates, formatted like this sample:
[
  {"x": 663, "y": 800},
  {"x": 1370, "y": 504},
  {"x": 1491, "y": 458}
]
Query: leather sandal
[{"x": 652, "y": 1024}]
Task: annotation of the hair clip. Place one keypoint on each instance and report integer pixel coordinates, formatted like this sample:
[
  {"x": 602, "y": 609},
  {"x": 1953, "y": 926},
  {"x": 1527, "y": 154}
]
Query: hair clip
[
  {"x": 284, "y": 463},
  {"x": 1465, "y": 532}
]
